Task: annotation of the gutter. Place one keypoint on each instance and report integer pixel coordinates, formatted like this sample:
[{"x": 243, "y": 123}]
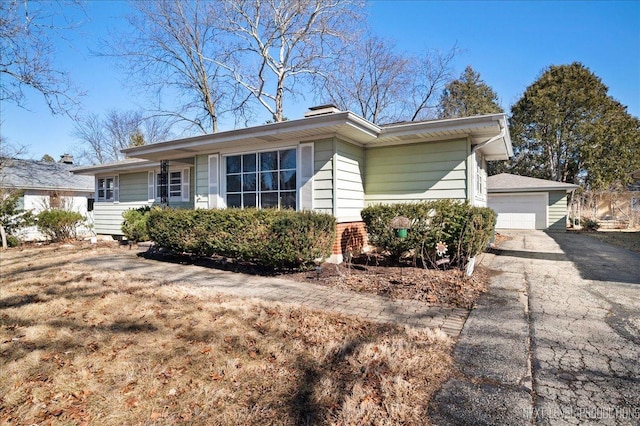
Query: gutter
[{"x": 501, "y": 135}]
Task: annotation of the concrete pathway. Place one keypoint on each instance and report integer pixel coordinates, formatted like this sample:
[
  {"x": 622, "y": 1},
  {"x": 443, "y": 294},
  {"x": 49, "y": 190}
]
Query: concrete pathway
[
  {"x": 406, "y": 312},
  {"x": 555, "y": 341}
]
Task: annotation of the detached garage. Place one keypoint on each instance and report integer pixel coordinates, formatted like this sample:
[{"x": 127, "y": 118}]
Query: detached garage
[{"x": 528, "y": 203}]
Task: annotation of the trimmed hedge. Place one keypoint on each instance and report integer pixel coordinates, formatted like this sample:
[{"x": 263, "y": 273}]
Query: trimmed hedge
[
  {"x": 274, "y": 238},
  {"x": 465, "y": 229}
]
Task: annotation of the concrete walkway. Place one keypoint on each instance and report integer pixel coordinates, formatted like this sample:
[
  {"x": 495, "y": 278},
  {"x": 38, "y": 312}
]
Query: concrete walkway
[
  {"x": 555, "y": 341},
  {"x": 406, "y": 312}
]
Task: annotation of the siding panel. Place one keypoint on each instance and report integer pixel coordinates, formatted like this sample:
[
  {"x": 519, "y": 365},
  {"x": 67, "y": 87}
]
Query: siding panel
[
  {"x": 425, "y": 171},
  {"x": 557, "y": 210},
  {"x": 350, "y": 171},
  {"x": 201, "y": 182},
  {"x": 323, "y": 176}
]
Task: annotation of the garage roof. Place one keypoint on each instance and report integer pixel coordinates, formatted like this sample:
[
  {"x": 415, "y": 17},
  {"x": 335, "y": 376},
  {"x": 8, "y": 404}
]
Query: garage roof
[{"x": 506, "y": 182}]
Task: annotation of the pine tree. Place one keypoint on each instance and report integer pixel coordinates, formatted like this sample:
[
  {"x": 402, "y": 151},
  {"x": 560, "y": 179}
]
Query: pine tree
[
  {"x": 568, "y": 129},
  {"x": 468, "y": 95}
]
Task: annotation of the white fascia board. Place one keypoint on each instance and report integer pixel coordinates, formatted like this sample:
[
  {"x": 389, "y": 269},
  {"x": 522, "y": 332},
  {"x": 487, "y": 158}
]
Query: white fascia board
[
  {"x": 568, "y": 188},
  {"x": 190, "y": 146},
  {"x": 116, "y": 167}
]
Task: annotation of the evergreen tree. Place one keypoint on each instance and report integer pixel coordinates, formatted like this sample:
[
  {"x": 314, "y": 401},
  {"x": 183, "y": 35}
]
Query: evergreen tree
[
  {"x": 468, "y": 95},
  {"x": 568, "y": 129}
]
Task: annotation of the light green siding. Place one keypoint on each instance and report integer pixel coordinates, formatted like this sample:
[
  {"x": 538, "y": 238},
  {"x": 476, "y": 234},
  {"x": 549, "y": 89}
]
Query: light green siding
[
  {"x": 557, "y": 210},
  {"x": 424, "y": 171},
  {"x": 107, "y": 216},
  {"x": 201, "y": 186},
  {"x": 349, "y": 181},
  {"x": 323, "y": 157},
  {"x": 133, "y": 187},
  {"x": 133, "y": 193}
]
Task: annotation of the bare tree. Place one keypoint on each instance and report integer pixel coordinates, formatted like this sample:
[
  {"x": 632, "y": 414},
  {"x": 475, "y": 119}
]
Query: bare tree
[
  {"x": 370, "y": 81},
  {"x": 103, "y": 137},
  {"x": 167, "y": 50},
  {"x": 431, "y": 72},
  {"x": 383, "y": 85},
  {"x": 273, "y": 45},
  {"x": 27, "y": 29}
]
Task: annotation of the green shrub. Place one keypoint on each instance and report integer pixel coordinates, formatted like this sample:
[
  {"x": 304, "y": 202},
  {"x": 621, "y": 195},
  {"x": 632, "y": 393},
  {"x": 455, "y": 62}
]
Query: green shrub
[
  {"x": 58, "y": 225},
  {"x": 13, "y": 241},
  {"x": 466, "y": 230},
  {"x": 274, "y": 238},
  {"x": 589, "y": 224},
  {"x": 134, "y": 225}
]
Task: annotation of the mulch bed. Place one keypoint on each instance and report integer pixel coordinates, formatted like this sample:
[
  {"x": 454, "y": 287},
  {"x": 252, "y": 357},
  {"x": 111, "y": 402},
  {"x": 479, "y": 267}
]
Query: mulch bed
[{"x": 372, "y": 274}]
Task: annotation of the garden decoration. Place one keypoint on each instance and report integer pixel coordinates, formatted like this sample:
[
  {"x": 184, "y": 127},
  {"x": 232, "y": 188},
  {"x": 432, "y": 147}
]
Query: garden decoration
[
  {"x": 400, "y": 224},
  {"x": 441, "y": 251}
]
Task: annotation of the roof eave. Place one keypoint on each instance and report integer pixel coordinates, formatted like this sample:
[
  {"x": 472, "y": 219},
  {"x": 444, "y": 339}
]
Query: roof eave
[
  {"x": 533, "y": 189},
  {"x": 115, "y": 167},
  {"x": 364, "y": 129}
]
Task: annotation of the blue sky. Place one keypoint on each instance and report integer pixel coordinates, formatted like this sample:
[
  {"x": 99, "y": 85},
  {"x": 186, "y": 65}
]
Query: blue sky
[{"x": 508, "y": 43}]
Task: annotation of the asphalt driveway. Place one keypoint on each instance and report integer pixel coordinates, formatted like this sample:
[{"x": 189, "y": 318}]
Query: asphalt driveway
[{"x": 555, "y": 341}]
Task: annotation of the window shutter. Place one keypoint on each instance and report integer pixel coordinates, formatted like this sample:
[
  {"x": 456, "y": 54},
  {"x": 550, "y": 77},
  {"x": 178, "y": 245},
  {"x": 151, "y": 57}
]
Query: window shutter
[
  {"x": 305, "y": 183},
  {"x": 214, "y": 192},
  {"x": 116, "y": 188},
  {"x": 151, "y": 179},
  {"x": 185, "y": 185}
]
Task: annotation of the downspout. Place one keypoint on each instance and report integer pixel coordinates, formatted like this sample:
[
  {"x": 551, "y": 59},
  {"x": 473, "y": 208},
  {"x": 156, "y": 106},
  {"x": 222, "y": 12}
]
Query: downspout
[
  {"x": 475, "y": 148},
  {"x": 500, "y": 135}
]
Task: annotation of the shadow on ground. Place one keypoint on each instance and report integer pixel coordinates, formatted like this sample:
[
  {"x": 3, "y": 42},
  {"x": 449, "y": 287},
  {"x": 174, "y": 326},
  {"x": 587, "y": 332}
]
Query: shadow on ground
[{"x": 597, "y": 260}]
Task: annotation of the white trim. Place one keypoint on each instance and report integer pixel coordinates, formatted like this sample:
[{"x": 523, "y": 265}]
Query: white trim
[
  {"x": 116, "y": 189},
  {"x": 213, "y": 185},
  {"x": 305, "y": 182},
  {"x": 184, "y": 184},
  {"x": 151, "y": 186}
]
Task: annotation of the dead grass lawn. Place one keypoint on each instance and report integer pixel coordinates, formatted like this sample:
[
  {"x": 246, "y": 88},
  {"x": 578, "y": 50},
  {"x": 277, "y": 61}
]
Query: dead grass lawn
[
  {"x": 629, "y": 240},
  {"x": 84, "y": 346}
]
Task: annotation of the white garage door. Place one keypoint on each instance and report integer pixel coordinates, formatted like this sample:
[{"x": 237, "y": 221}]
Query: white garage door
[{"x": 520, "y": 211}]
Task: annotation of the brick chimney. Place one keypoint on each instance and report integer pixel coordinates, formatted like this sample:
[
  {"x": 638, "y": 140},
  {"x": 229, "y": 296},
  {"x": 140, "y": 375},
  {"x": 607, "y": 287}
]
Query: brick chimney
[{"x": 321, "y": 110}]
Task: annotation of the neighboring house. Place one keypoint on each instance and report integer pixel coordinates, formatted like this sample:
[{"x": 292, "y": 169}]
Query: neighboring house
[
  {"x": 528, "y": 203},
  {"x": 619, "y": 208},
  {"x": 330, "y": 161},
  {"x": 46, "y": 185}
]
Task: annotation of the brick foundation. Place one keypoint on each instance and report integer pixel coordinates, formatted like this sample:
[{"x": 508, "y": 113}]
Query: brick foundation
[{"x": 350, "y": 235}]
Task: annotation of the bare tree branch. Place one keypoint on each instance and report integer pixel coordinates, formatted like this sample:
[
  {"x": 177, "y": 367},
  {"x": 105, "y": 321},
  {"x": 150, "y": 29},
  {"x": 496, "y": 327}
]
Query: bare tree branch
[
  {"x": 27, "y": 30},
  {"x": 166, "y": 54},
  {"x": 270, "y": 45}
]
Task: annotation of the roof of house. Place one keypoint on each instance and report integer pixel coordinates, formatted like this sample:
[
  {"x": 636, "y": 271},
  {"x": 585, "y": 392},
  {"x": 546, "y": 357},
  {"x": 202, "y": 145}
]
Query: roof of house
[
  {"x": 489, "y": 132},
  {"x": 506, "y": 182},
  {"x": 42, "y": 175}
]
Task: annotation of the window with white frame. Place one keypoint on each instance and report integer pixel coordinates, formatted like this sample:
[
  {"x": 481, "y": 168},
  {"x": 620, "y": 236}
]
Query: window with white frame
[
  {"x": 261, "y": 179},
  {"x": 106, "y": 187},
  {"x": 480, "y": 176},
  {"x": 174, "y": 183}
]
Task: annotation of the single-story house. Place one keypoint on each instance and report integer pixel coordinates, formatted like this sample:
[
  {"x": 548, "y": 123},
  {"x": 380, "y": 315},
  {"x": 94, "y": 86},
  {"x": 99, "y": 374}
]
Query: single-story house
[
  {"x": 329, "y": 161},
  {"x": 528, "y": 203},
  {"x": 46, "y": 185}
]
